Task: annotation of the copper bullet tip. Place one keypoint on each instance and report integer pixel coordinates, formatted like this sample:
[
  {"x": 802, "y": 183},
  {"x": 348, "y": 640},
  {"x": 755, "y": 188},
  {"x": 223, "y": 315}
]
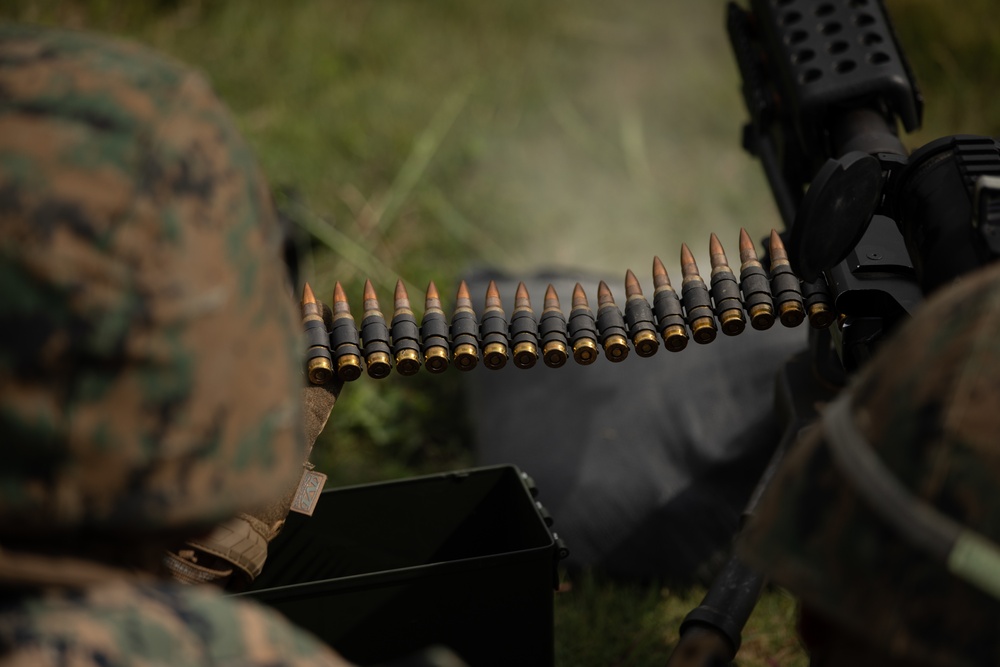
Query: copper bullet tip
[
  {"x": 632, "y": 287},
  {"x": 579, "y": 297},
  {"x": 370, "y": 298},
  {"x": 689, "y": 269},
  {"x": 778, "y": 254},
  {"x": 462, "y": 298},
  {"x": 551, "y": 298},
  {"x": 493, "y": 297},
  {"x": 340, "y": 305},
  {"x": 747, "y": 252},
  {"x": 432, "y": 300},
  {"x": 307, "y": 295},
  {"x": 521, "y": 298},
  {"x": 604, "y": 297},
  {"x": 400, "y": 298},
  {"x": 660, "y": 277},
  {"x": 716, "y": 253}
]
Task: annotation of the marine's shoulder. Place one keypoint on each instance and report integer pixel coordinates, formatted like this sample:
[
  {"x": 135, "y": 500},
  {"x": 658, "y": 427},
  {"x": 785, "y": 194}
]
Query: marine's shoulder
[{"x": 151, "y": 624}]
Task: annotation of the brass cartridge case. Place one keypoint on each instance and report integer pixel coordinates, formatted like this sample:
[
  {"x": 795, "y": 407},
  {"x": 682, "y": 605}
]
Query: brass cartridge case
[
  {"x": 639, "y": 318},
  {"x": 668, "y": 310},
  {"x": 493, "y": 330},
  {"x": 610, "y": 325},
  {"x": 464, "y": 332},
  {"x": 725, "y": 291},
  {"x": 755, "y": 285},
  {"x": 785, "y": 285},
  {"x": 697, "y": 300},
  {"x": 374, "y": 336},
  {"x": 523, "y": 330},
  {"x": 582, "y": 329},
  {"x": 434, "y": 332},
  {"x": 553, "y": 331},
  {"x": 319, "y": 360},
  {"x": 404, "y": 333},
  {"x": 344, "y": 338}
]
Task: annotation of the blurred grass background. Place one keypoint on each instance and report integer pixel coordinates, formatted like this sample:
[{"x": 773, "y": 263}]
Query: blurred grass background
[{"x": 415, "y": 139}]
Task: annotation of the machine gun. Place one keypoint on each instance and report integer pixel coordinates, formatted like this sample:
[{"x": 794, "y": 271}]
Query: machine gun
[
  {"x": 826, "y": 85},
  {"x": 875, "y": 229}
]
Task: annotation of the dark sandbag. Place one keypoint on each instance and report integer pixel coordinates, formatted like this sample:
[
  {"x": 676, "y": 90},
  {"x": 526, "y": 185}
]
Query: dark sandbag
[{"x": 645, "y": 464}]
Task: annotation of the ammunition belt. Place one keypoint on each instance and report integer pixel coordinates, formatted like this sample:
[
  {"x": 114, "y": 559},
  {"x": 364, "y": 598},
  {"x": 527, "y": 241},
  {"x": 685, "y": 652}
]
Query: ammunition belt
[{"x": 727, "y": 303}]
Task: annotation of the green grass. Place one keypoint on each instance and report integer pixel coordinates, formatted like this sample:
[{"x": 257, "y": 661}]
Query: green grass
[{"x": 413, "y": 139}]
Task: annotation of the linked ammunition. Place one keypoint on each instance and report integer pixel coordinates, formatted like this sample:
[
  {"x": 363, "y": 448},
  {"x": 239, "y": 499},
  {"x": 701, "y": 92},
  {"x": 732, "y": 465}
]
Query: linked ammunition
[
  {"x": 610, "y": 325},
  {"x": 319, "y": 361},
  {"x": 582, "y": 329},
  {"x": 524, "y": 338},
  {"x": 464, "y": 332},
  {"x": 755, "y": 285},
  {"x": 374, "y": 336},
  {"x": 725, "y": 291},
  {"x": 434, "y": 332},
  {"x": 819, "y": 303},
  {"x": 697, "y": 300},
  {"x": 552, "y": 328},
  {"x": 493, "y": 330},
  {"x": 344, "y": 338},
  {"x": 524, "y": 330},
  {"x": 405, "y": 333},
  {"x": 785, "y": 285},
  {"x": 639, "y": 318},
  {"x": 667, "y": 307}
]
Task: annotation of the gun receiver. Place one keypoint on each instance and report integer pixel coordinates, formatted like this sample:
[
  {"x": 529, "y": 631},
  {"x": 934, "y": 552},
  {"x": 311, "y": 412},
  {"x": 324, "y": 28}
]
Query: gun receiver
[{"x": 826, "y": 86}]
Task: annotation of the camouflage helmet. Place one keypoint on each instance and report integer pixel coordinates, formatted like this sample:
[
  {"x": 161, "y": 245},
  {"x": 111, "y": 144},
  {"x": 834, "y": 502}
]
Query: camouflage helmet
[
  {"x": 148, "y": 339},
  {"x": 884, "y": 517}
]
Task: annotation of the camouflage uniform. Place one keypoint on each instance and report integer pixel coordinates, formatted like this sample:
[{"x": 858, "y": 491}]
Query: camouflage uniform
[
  {"x": 149, "y": 357},
  {"x": 865, "y": 551}
]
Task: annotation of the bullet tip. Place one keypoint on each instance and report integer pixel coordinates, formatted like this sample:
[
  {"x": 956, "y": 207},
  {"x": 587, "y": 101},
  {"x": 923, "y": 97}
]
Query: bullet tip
[
  {"x": 660, "y": 277},
  {"x": 369, "y": 292},
  {"x": 717, "y": 255},
  {"x": 604, "y": 296},
  {"x": 714, "y": 245},
  {"x": 632, "y": 287},
  {"x": 521, "y": 298},
  {"x": 688, "y": 265},
  {"x": 493, "y": 296},
  {"x": 747, "y": 251},
  {"x": 307, "y": 294},
  {"x": 338, "y": 293},
  {"x": 579, "y": 297},
  {"x": 551, "y": 298},
  {"x": 463, "y": 291},
  {"x": 778, "y": 252},
  {"x": 432, "y": 291}
]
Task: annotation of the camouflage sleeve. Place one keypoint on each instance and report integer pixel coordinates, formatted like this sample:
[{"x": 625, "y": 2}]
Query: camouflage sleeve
[{"x": 152, "y": 624}]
